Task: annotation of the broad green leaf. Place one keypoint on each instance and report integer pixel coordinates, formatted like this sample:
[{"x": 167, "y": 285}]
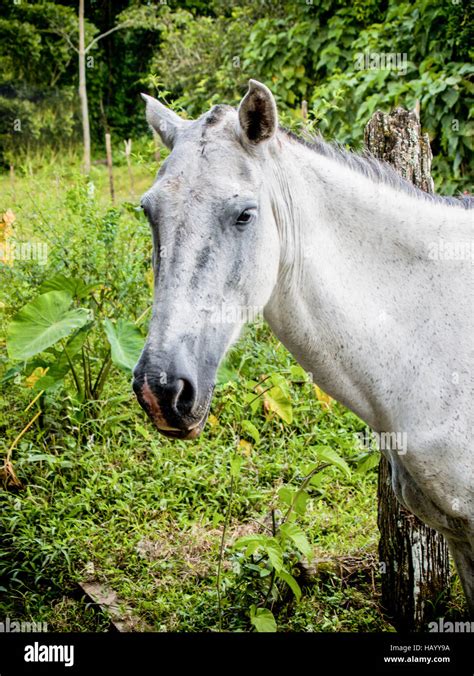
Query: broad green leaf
[
  {"x": 275, "y": 553},
  {"x": 278, "y": 380},
  {"x": 250, "y": 543},
  {"x": 298, "y": 373},
  {"x": 42, "y": 323},
  {"x": 75, "y": 287},
  {"x": 317, "y": 480},
  {"x": 279, "y": 404},
  {"x": 59, "y": 369},
  {"x": 297, "y": 536},
  {"x": 327, "y": 454},
  {"x": 126, "y": 343},
  {"x": 286, "y": 495},
  {"x": 253, "y": 401},
  {"x": 301, "y": 502},
  {"x": 262, "y": 619},
  {"x": 293, "y": 496},
  {"x": 291, "y": 582},
  {"x": 251, "y": 430}
]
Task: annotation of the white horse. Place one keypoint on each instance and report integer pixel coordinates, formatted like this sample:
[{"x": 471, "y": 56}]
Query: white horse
[{"x": 364, "y": 278}]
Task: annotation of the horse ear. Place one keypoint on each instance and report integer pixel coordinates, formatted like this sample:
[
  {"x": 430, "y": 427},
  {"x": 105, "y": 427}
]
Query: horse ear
[
  {"x": 258, "y": 116},
  {"x": 163, "y": 120}
]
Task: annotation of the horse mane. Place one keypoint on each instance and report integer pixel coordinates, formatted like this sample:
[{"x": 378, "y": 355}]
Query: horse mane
[{"x": 376, "y": 170}]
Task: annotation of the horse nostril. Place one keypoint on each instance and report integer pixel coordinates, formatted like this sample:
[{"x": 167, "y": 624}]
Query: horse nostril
[{"x": 184, "y": 396}]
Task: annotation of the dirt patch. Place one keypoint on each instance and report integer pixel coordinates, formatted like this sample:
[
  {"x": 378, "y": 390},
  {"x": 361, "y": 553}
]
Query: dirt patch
[{"x": 193, "y": 551}]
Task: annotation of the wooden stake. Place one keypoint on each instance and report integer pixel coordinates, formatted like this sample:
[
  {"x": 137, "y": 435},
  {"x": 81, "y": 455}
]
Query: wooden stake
[
  {"x": 108, "y": 148},
  {"x": 128, "y": 152}
]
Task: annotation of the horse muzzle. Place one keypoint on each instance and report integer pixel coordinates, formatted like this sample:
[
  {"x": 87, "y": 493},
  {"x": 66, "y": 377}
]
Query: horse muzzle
[{"x": 175, "y": 405}]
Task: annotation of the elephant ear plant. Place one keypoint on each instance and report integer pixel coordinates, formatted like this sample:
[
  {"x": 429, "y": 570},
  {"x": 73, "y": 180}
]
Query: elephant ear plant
[{"x": 56, "y": 340}]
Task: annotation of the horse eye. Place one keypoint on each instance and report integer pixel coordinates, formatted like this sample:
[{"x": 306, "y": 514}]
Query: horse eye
[{"x": 244, "y": 217}]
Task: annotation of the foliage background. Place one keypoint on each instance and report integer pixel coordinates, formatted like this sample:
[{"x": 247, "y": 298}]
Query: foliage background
[{"x": 199, "y": 53}]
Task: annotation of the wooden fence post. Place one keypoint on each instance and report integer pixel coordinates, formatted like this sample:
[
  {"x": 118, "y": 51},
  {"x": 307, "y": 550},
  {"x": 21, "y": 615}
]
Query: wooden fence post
[
  {"x": 414, "y": 558},
  {"x": 128, "y": 153},
  {"x": 108, "y": 149}
]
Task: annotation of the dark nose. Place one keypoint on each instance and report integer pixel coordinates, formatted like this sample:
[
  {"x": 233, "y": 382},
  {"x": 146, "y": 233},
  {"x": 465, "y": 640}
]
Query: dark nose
[
  {"x": 183, "y": 396},
  {"x": 168, "y": 399}
]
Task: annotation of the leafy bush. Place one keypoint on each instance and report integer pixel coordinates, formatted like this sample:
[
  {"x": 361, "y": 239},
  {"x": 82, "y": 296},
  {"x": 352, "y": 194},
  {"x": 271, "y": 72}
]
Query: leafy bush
[{"x": 44, "y": 324}]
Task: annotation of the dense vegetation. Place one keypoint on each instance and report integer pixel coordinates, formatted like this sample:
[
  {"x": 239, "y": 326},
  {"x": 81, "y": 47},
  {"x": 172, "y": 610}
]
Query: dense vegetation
[
  {"x": 270, "y": 516},
  {"x": 330, "y": 53}
]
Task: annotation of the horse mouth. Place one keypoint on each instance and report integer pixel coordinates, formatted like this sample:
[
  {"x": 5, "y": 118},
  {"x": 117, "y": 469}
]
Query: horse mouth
[
  {"x": 189, "y": 432},
  {"x": 186, "y": 434}
]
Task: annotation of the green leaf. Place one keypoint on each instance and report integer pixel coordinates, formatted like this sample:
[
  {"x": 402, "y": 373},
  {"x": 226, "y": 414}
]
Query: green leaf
[
  {"x": 298, "y": 374},
  {"x": 275, "y": 553},
  {"x": 253, "y": 401},
  {"x": 297, "y": 536},
  {"x": 286, "y": 495},
  {"x": 42, "y": 323},
  {"x": 250, "y": 543},
  {"x": 59, "y": 369},
  {"x": 291, "y": 582},
  {"x": 278, "y": 380},
  {"x": 252, "y": 431},
  {"x": 12, "y": 373},
  {"x": 279, "y": 404},
  {"x": 236, "y": 463},
  {"x": 126, "y": 343},
  {"x": 75, "y": 287},
  {"x": 296, "y": 497},
  {"x": 450, "y": 97},
  {"x": 327, "y": 454},
  {"x": 368, "y": 462},
  {"x": 262, "y": 619}
]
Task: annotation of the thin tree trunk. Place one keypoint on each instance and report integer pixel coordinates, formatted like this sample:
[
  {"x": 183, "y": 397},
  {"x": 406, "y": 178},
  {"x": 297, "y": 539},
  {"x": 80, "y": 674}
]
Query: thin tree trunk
[
  {"x": 83, "y": 92},
  {"x": 414, "y": 558}
]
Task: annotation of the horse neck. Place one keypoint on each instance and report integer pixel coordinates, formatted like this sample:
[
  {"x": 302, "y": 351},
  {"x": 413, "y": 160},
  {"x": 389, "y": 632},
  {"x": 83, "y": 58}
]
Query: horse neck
[{"x": 353, "y": 269}]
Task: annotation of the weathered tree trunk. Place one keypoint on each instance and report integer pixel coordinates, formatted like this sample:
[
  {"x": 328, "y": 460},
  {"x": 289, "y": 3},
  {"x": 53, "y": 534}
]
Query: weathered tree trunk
[
  {"x": 83, "y": 92},
  {"x": 414, "y": 558}
]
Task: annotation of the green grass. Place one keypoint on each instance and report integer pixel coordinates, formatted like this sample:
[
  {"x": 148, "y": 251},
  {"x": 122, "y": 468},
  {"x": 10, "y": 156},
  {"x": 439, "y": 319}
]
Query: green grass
[{"x": 104, "y": 497}]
